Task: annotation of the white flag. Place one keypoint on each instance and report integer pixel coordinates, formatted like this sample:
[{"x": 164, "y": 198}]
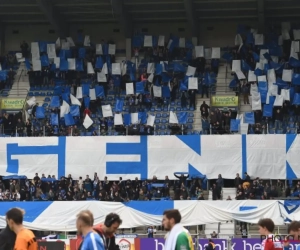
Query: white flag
[
  {"x": 106, "y": 110},
  {"x": 256, "y": 101},
  {"x": 51, "y": 51},
  {"x": 240, "y": 75},
  {"x": 278, "y": 101},
  {"x": 99, "y": 49},
  {"x": 161, "y": 41},
  {"x": 101, "y": 77},
  {"x": 236, "y": 65},
  {"x": 181, "y": 42},
  {"x": 216, "y": 53},
  {"x": 150, "y": 68},
  {"x": 79, "y": 92},
  {"x": 259, "y": 39},
  {"x": 31, "y": 101},
  {"x": 92, "y": 94},
  {"x": 116, "y": 69},
  {"x": 74, "y": 100},
  {"x": 251, "y": 76},
  {"x": 157, "y": 92},
  {"x": 87, "y": 41},
  {"x": 70, "y": 41},
  {"x": 111, "y": 49},
  {"x": 87, "y": 121},
  {"x": 191, "y": 71},
  {"x": 71, "y": 64},
  {"x": 173, "y": 118},
  {"x": 129, "y": 88},
  {"x": 36, "y": 65},
  {"x": 118, "y": 119},
  {"x": 90, "y": 69},
  {"x": 286, "y": 94},
  {"x": 287, "y": 75},
  {"x": 64, "y": 109},
  {"x": 58, "y": 43},
  {"x": 57, "y": 62},
  {"x": 150, "y": 78},
  {"x": 199, "y": 51},
  {"x": 134, "y": 118},
  {"x": 150, "y": 120},
  {"x": 193, "y": 83},
  {"x": 148, "y": 41}
]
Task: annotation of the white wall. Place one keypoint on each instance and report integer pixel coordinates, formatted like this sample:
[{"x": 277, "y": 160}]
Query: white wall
[{"x": 222, "y": 33}]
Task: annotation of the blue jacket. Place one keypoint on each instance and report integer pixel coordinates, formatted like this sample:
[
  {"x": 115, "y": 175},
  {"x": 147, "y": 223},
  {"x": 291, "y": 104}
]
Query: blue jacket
[{"x": 92, "y": 241}]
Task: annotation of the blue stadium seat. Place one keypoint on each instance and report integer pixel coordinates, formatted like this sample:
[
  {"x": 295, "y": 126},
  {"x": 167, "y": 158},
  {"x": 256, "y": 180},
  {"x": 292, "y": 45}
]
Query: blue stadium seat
[
  {"x": 157, "y": 121},
  {"x": 178, "y": 109},
  {"x": 191, "y": 114},
  {"x": 190, "y": 120},
  {"x": 158, "y": 115}
]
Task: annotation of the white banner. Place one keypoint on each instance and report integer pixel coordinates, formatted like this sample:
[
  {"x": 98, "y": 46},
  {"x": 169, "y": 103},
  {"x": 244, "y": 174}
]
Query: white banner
[
  {"x": 116, "y": 69},
  {"x": 161, "y": 41},
  {"x": 129, "y": 88},
  {"x": 181, "y": 42},
  {"x": 148, "y": 41},
  {"x": 90, "y": 69},
  {"x": 118, "y": 119},
  {"x": 157, "y": 91},
  {"x": 216, "y": 53},
  {"x": 193, "y": 83},
  {"x": 99, "y": 50},
  {"x": 51, "y": 50},
  {"x": 111, "y": 49},
  {"x": 36, "y": 65},
  {"x": 287, "y": 75},
  {"x": 71, "y": 63},
  {"x": 106, "y": 111},
  {"x": 251, "y": 76},
  {"x": 191, "y": 71},
  {"x": 101, "y": 77},
  {"x": 199, "y": 51}
]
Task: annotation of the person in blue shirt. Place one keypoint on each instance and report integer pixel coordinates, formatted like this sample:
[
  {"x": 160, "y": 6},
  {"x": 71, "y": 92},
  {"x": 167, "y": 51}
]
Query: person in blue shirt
[
  {"x": 91, "y": 240},
  {"x": 294, "y": 234}
]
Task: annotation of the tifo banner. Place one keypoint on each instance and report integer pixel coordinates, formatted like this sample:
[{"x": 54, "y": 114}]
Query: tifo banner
[
  {"x": 266, "y": 156},
  {"x": 10, "y": 103},
  {"x": 42, "y": 215},
  {"x": 224, "y": 101}
]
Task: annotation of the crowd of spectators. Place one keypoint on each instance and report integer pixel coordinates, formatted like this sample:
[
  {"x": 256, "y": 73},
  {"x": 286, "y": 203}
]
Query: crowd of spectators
[{"x": 42, "y": 188}]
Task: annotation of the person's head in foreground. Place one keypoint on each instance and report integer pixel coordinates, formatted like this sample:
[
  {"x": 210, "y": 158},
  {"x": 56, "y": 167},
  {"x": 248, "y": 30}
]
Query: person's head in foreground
[
  {"x": 112, "y": 223},
  {"x": 294, "y": 229},
  {"x": 14, "y": 219},
  {"x": 84, "y": 222},
  {"x": 171, "y": 218},
  {"x": 265, "y": 226}
]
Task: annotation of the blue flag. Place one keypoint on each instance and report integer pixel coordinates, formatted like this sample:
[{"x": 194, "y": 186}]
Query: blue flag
[
  {"x": 40, "y": 112},
  {"x": 119, "y": 105},
  {"x": 55, "y": 102},
  {"x": 54, "y": 119},
  {"x": 74, "y": 110},
  {"x": 249, "y": 117},
  {"x": 234, "y": 125},
  {"x": 69, "y": 120}
]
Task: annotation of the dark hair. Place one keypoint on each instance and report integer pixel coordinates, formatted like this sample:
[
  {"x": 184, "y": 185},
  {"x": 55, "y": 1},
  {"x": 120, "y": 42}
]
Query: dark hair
[
  {"x": 267, "y": 223},
  {"x": 86, "y": 217},
  {"x": 111, "y": 219},
  {"x": 294, "y": 226},
  {"x": 173, "y": 213},
  {"x": 16, "y": 215}
]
